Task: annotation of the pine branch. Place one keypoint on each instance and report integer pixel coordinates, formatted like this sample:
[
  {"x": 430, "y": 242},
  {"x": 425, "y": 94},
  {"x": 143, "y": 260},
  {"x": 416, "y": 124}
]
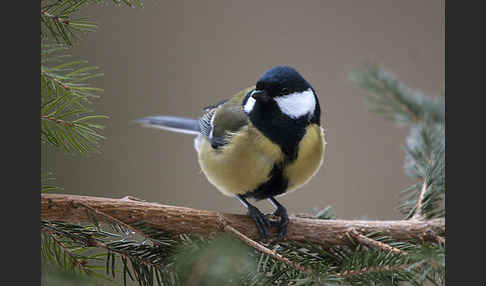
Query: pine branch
[
  {"x": 360, "y": 267},
  {"x": 68, "y": 78},
  {"x": 69, "y": 256},
  {"x": 425, "y": 161},
  {"x": 425, "y": 145},
  {"x": 374, "y": 243},
  {"x": 420, "y": 199},
  {"x": 179, "y": 220},
  {"x": 261, "y": 247},
  {"x": 65, "y": 121},
  {"x": 390, "y": 98},
  {"x": 141, "y": 259},
  {"x": 72, "y": 259},
  {"x": 72, "y": 136},
  {"x": 58, "y": 22},
  {"x": 292, "y": 263}
]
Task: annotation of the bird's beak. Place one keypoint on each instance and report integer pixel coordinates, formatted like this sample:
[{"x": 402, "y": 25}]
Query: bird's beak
[{"x": 260, "y": 95}]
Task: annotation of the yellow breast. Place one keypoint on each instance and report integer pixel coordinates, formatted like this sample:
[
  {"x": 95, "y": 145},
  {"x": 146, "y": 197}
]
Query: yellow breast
[
  {"x": 247, "y": 164},
  {"x": 309, "y": 159},
  {"x": 244, "y": 166}
]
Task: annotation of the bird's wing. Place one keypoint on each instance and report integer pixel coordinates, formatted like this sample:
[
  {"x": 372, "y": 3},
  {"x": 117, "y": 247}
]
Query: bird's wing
[{"x": 224, "y": 117}]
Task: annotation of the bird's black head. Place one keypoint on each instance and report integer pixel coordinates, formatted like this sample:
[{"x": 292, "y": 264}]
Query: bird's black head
[
  {"x": 282, "y": 91},
  {"x": 281, "y": 81},
  {"x": 281, "y": 106}
]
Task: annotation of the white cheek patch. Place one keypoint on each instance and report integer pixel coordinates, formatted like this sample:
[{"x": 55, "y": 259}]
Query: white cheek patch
[
  {"x": 297, "y": 104},
  {"x": 250, "y": 103}
]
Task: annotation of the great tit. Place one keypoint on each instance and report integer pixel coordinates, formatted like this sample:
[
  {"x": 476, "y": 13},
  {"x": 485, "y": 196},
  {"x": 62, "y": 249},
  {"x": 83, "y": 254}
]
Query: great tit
[{"x": 263, "y": 142}]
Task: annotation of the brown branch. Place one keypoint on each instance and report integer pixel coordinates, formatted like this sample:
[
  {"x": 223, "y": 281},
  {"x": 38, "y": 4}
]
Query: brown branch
[{"x": 180, "y": 220}]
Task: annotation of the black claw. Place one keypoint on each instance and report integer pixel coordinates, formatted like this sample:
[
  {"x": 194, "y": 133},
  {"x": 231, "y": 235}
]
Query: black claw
[
  {"x": 260, "y": 220},
  {"x": 283, "y": 224}
]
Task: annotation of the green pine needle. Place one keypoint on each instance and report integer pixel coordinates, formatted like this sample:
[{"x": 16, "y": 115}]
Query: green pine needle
[
  {"x": 425, "y": 161},
  {"x": 390, "y": 98},
  {"x": 66, "y": 121}
]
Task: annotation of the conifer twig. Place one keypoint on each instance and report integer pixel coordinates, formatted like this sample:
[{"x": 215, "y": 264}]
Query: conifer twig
[
  {"x": 228, "y": 228},
  {"x": 418, "y": 208},
  {"x": 111, "y": 219},
  {"x": 371, "y": 242},
  {"x": 103, "y": 245},
  {"x": 57, "y": 120},
  {"x": 74, "y": 260}
]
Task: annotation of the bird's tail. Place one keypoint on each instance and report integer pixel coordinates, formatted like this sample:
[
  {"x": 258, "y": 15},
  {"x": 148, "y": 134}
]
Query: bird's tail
[{"x": 171, "y": 123}]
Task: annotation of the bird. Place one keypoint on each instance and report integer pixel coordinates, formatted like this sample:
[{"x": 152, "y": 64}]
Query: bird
[{"x": 263, "y": 142}]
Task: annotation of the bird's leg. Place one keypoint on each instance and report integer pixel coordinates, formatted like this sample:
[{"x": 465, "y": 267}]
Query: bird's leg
[
  {"x": 284, "y": 218},
  {"x": 258, "y": 217}
]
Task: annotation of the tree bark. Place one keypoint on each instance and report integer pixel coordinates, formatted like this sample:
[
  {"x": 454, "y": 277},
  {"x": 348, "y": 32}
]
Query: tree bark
[{"x": 180, "y": 220}]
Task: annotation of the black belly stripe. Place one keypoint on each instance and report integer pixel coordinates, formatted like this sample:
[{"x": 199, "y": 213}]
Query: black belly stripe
[{"x": 276, "y": 185}]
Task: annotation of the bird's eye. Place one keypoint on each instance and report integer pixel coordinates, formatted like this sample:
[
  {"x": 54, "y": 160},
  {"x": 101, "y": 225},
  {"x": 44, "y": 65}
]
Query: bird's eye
[
  {"x": 259, "y": 86},
  {"x": 284, "y": 90}
]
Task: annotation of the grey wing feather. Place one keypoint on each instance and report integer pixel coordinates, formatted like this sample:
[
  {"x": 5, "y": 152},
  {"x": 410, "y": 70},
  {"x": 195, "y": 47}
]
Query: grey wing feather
[
  {"x": 205, "y": 122},
  {"x": 229, "y": 117},
  {"x": 207, "y": 128}
]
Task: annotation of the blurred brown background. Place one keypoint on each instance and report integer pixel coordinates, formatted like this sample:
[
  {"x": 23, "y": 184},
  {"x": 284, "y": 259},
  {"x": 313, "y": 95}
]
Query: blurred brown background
[{"x": 177, "y": 57}]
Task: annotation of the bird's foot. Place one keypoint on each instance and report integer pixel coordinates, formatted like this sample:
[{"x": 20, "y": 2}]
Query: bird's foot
[
  {"x": 281, "y": 224},
  {"x": 262, "y": 223}
]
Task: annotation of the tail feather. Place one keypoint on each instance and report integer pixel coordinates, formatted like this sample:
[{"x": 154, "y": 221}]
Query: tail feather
[{"x": 171, "y": 123}]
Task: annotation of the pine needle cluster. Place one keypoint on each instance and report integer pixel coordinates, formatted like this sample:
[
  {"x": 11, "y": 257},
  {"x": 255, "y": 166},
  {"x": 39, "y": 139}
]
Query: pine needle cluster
[
  {"x": 107, "y": 251},
  {"x": 66, "y": 120}
]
